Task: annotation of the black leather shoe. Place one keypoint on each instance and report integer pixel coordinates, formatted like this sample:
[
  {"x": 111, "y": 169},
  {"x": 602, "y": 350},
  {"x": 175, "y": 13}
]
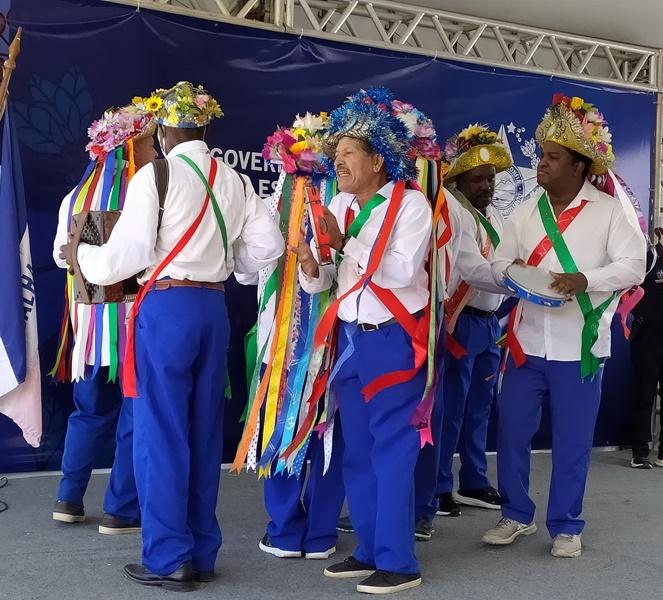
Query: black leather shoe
[
  {"x": 180, "y": 580},
  {"x": 68, "y": 512},
  {"x": 112, "y": 525},
  {"x": 203, "y": 576}
]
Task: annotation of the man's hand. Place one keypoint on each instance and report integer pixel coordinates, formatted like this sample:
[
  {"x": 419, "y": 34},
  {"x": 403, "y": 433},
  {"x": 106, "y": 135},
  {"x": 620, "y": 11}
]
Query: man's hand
[
  {"x": 305, "y": 257},
  {"x": 67, "y": 251},
  {"x": 520, "y": 262},
  {"x": 569, "y": 284},
  {"x": 329, "y": 225}
]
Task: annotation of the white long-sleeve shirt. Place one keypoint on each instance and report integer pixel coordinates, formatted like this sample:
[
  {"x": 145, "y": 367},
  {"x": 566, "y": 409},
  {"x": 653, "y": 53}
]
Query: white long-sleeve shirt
[
  {"x": 608, "y": 249},
  {"x": 254, "y": 241},
  {"x": 467, "y": 261},
  {"x": 402, "y": 269}
]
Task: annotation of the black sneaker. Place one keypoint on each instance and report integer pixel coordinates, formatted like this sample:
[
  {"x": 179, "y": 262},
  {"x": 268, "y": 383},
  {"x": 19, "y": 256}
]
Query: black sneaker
[
  {"x": 447, "y": 506},
  {"x": 266, "y": 546},
  {"x": 640, "y": 462},
  {"x": 345, "y": 525},
  {"x": 68, "y": 512},
  {"x": 112, "y": 525},
  {"x": 423, "y": 530},
  {"x": 385, "y": 582},
  {"x": 484, "y": 498},
  {"x": 350, "y": 567}
]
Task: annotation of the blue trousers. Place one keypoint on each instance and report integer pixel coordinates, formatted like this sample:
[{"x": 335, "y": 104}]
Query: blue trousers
[
  {"x": 428, "y": 462},
  {"x": 99, "y": 412},
  {"x": 574, "y": 406},
  {"x": 381, "y": 446},
  {"x": 182, "y": 337},
  {"x": 304, "y": 512},
  {"x": 469, "y": 391}
]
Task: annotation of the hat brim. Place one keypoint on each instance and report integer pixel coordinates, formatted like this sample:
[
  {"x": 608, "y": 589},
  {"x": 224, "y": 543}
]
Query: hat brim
[{"x": 478, "y": 156}]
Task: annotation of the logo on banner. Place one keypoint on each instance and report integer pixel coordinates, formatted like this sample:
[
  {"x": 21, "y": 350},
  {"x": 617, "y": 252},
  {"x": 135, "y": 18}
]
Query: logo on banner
[{"x": 518, "y": 184}]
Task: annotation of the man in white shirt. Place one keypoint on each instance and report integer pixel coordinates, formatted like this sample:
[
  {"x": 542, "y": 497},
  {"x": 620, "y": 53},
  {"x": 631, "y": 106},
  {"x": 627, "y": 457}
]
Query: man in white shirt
[
  {"x": 97, "y": 395},
  {"x": 459, "y": 259},
  {"x": 585, "y": 239},
  {"x": 471, "y": 360},
  {"x": 382, "y": 256},
  {"x": 211, "y": 225}
]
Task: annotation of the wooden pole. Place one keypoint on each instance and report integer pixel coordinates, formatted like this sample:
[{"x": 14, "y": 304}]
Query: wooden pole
[{"x": 8, "y": 69}]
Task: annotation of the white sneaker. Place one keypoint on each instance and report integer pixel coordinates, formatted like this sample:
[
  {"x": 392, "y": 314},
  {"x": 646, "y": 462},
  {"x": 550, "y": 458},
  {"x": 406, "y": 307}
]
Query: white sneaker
[
  {"x": 320, "y": 555},
  {"x": 266, "y": 546},
  {"x": 566, "y": 546},
  {"x": 506, "y": 531}
]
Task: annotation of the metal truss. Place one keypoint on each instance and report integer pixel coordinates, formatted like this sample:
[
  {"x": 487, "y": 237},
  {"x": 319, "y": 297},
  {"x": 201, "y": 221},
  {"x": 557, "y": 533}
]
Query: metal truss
[{"x": 437, "y": 33}]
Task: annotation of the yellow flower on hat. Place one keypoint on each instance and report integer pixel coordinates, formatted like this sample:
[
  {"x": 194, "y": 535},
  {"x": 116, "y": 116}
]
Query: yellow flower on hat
[
  {"x": 577, "y": 103},
  {"x": 172, "y": 120},
  {"x": 137, "y": 100},
  {"x": 154, "y": 104},
  {"x": 299, "y": 147},
  {"x": 471, "y": 131}
]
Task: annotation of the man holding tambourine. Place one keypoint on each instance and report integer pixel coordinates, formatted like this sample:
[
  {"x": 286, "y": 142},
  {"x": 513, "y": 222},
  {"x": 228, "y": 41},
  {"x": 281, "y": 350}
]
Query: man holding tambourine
[{"x": 578, "y": 247}]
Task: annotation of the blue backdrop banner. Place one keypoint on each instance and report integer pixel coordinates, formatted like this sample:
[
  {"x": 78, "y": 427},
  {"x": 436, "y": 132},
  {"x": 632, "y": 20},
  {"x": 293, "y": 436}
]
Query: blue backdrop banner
[{"x": 80, "y": 57}]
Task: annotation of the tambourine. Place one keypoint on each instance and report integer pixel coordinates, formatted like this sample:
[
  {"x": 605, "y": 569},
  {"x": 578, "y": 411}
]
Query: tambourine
[
  {"x": 316, "y": 215},
  {"x": 533, "y": 284}
]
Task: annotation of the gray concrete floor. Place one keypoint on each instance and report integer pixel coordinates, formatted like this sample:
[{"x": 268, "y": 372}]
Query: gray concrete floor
[{"x": 623, "y": 550}]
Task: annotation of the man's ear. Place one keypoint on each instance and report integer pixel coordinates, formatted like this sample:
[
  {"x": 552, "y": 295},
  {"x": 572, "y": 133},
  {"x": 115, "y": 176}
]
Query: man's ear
[{"x": 378, "y": 163}]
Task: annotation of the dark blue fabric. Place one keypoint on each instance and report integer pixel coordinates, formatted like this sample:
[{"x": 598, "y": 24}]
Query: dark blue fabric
[
  {"x": 574, "y": 404},
  {"x": 261, "y": 78},
  {"x": 304, "y": 512},
  {"x": 381, "y": 447},
  {"x": 94, "y": 421},
  {"x": 181, "y": 343},
  {"x": 469, "y": 390}
]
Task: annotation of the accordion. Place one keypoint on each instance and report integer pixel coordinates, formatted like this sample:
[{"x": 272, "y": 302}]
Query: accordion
[{"x": 94, "y": 227}]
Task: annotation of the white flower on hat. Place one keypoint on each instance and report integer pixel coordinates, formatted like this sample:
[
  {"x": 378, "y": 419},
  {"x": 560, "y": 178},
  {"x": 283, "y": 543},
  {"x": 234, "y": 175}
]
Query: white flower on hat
[{"x": 309, "y": 122}]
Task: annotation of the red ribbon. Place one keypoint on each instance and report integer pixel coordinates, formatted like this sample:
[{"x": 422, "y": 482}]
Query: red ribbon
[{"x": 129, "y": 369}]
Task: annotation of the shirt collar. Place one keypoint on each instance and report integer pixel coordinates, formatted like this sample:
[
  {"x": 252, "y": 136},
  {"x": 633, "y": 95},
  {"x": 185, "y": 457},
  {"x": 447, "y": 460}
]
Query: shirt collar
[
  {"x": 386, "y": 189},
  {"x": 191, "y": 146}
]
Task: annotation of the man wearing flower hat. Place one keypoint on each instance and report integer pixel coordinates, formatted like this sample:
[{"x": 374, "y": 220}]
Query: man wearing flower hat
[
  {"x": 212, "y": 224},
  {"x": 593, "y": 250},
  {"x": 120, "y": 141},
  {"x": 302, "y": 509},
  {"x": 471, "y": 361},
  {"x": 382, "y": 294}
]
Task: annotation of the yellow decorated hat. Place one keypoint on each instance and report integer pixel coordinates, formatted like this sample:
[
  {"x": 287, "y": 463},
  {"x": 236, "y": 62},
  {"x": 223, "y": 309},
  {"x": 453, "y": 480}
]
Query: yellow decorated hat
[
  {"x": 473, "y": 147},
  {"x": 184, "y": 106},
  {"x": 579, "y": 126}
]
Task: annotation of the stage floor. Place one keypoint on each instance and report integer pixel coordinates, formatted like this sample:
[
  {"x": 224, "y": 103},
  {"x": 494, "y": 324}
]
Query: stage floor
[{"x": 623, "y": 548}]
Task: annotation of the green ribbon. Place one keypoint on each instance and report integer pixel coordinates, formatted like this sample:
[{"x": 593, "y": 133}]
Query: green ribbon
[
  {"x": 115, "y": 194},
  {"x": 113, "y": 332},
  {"x": 490, "y": 230},
  {"x": 215, "y": 204},
  {"x": 589, "y": 364},
  {"x": 479, "y": 219},
  {"x": 360, "y": 220}
]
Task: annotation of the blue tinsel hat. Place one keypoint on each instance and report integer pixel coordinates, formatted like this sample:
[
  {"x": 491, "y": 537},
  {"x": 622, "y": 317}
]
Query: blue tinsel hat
[{"x": 368, "y": 115}]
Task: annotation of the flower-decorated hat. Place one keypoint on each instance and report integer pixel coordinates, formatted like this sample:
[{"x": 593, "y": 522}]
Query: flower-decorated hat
[
  {"x": 299, "y": 148},
  {"x": 116, "y": 127},
  {"x": 368, "y": 115},
  {"x": 184, "y": 106},
  {"x": 474, "y": 146},
  {"x": 579, "y": 126},
  {"x": 423, "y": 137}
]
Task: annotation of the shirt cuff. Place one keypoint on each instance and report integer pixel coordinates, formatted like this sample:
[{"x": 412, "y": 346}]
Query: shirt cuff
[
  {"x": 357, "y": 251},
  {"x": 593, "y": 277}
]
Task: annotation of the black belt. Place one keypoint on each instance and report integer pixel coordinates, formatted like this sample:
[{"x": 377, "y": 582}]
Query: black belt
[
  {"x": 477, "y": 312},
  {"x": 392, "y": 321}
]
